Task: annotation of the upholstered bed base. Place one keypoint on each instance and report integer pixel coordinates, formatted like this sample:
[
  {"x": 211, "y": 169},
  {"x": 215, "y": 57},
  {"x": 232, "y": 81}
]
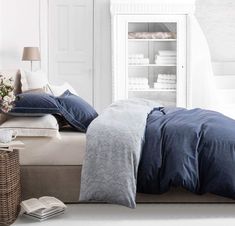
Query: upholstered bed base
[{"x": 63, "y": 182}]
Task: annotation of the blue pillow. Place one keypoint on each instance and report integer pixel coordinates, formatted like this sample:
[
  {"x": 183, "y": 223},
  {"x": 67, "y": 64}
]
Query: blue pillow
[
  {"x": 34, "y": 104},
  {"x": 76, "y": 111}
]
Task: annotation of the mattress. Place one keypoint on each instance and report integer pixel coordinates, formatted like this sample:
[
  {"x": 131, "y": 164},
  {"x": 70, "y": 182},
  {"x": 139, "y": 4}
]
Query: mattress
[{"x": 68, "y": 150}]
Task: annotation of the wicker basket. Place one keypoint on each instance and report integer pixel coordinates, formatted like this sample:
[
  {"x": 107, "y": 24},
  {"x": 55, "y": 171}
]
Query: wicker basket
[{"x": 10, "y": 190}]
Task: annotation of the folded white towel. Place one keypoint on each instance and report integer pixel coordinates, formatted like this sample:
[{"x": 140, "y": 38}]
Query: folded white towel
[
  {"x": 171, "y": 81},
  {"x": 164, "y": 86},
  {"x": 167, "y": 53},
  {"x": 167, "y": 76},
  {"x": 138, "y": 87},
  {"x": 136, "y": 56},
  {"x": 138, "y": 61},
  {"x": 157, "y": 61},
  {"x": 165, "y": 57},
  {"x": 138, "y": 82}
]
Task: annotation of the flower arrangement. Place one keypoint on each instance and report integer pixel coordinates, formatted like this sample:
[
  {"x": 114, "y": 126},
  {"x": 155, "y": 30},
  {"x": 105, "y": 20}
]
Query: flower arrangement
[{"x": 7, "y": 96}]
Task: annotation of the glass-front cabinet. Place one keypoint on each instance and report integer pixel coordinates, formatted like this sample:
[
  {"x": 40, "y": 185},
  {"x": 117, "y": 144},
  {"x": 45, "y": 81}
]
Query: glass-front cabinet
[{"x": 149, "y": 58}]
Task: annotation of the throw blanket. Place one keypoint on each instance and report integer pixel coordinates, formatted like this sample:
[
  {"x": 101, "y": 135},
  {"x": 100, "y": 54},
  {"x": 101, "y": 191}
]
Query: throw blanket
[
  {"x": 114, "y": 143},
  {"x": 194, "y": 149}
]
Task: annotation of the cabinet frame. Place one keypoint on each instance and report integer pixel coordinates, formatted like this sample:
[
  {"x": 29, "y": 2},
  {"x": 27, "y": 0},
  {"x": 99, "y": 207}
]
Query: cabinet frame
[{"x": 120, "y": 53}]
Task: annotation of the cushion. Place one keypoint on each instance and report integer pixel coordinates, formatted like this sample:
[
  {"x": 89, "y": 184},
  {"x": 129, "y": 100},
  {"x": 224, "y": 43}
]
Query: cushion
[
  {"x": 76, "y": 111},
  {"x": 33, "y": 80},
  {"x": 34, "y": 104},
  {"x": 59, "y": 90},
  {"x": 44, "y": 126}
]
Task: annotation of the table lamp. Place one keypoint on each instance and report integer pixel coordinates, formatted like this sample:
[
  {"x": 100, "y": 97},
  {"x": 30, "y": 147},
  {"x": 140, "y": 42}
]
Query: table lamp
[{"x": 31, "y": 54}]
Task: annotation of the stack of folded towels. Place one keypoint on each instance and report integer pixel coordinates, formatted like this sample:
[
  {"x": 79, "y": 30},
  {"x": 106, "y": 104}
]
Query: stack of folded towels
[
  {"x": 137, "y": 59},
  {"x": 165, "y": 57},
  {"x": 137, "y": 83},
  {"x": 165, "y": 81}
]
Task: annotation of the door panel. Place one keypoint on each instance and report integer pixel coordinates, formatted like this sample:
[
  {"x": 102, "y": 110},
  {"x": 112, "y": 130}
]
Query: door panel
[{"x": 71, "y": 45}]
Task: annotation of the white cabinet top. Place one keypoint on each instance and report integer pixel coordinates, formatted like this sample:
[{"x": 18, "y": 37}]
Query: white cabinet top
[{"x": 152, "y": 6}]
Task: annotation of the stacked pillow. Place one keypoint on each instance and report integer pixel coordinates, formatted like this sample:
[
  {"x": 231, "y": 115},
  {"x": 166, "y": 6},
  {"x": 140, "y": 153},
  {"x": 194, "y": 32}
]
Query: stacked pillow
[
  {"x": 37, "y": 81},
  {"x": 34, "y": 104},
  {"x": 32, "y": 81},
  {"x": 59, "y": 90},
  {"x": 39, "y": 98},
  {"x": 45, "y": 126},
  {"x": 76, "y": 111}
]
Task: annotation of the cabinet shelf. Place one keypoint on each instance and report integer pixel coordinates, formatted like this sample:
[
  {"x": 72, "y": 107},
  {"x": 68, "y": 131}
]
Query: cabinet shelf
[
  {"x": 152, "y": 90},
  {"x": 152, "y": 65},
  {"x": 150, "y": 40}
]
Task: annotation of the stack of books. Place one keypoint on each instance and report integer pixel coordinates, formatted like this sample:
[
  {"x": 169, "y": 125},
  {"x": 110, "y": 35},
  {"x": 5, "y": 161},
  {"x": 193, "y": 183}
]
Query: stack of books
[
  {"x": 13, "y": 145},
  {"x": 43, "y": 208}
]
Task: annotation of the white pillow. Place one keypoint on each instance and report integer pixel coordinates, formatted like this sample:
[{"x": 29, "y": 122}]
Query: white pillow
[
  {"x": 33, "y": 80},
  {"x": 58, "y": 90},
  {"x": 44, "y": 126}
]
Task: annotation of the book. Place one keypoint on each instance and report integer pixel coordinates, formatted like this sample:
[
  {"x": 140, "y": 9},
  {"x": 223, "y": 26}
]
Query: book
[
  {"x": 48, "y": 216},
  {"x": 13, "y": 145},
  {"x": 43, "y": 208}
]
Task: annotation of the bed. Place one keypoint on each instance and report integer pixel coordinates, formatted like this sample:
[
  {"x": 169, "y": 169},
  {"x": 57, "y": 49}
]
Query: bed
[
  {"x": 138, "y": 145},
  {"x": 53, "y": 166},
  {"x": 47, "y": 169}
]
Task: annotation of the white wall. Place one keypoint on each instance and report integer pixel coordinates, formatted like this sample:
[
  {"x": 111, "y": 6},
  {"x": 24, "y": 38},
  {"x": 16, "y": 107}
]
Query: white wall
[
  {"x": 102, "y": 54},
  {"x": 19, "y": 28},
  {"x": 217, "y": 19},
  {"x": 19, "y": 21}
]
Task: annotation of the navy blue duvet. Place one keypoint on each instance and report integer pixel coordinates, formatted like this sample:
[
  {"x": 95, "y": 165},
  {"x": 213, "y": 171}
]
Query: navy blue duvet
[{"x": 193, "y": 149}]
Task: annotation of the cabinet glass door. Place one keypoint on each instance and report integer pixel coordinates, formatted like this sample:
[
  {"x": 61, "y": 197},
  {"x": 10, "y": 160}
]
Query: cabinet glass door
[{"x": 152, "y": 61}]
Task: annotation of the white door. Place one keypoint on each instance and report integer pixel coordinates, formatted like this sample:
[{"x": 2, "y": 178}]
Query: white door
[{"x": 70, "y": 45}]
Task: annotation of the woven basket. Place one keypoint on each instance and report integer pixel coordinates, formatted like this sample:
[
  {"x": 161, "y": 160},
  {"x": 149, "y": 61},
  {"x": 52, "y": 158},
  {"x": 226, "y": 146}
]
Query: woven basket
[{"x": 10, "y": 190}]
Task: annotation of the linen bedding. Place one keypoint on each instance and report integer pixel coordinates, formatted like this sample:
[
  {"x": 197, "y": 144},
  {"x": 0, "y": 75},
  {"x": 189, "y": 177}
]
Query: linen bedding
[
  {"x": 113, "y": 148},
  {"x": 193, "y": 149}
]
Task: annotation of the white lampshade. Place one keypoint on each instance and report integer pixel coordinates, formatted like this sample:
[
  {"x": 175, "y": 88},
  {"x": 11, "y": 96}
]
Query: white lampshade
[{"x": 31, "y": 54}]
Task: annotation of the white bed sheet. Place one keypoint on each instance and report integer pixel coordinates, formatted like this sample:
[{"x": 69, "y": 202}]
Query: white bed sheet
[{"x": 69, "y": 150}]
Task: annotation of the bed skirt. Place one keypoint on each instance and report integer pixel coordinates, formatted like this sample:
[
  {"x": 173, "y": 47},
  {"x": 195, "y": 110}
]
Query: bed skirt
[{"x": 63, "y": 182}]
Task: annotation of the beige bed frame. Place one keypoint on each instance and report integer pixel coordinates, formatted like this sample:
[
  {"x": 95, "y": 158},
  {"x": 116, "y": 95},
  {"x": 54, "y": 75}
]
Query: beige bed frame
[{"x": 63, "y": 182}]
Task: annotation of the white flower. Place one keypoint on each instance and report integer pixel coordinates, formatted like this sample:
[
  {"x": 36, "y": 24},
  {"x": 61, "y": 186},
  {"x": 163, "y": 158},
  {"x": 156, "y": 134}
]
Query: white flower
[
  {"x": 11, "y": 94},
  {"x": 7, "y": 83},
  {"x": 6, "y": 98}
]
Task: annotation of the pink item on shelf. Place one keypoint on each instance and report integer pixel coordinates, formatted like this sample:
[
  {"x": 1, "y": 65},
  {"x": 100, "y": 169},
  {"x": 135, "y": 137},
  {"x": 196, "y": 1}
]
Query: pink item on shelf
[{"x": 151, "y": 35}]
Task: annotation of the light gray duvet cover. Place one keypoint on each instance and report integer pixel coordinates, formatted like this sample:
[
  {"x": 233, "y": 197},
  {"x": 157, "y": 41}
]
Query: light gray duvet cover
[{"x": 114, "y": 142}]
